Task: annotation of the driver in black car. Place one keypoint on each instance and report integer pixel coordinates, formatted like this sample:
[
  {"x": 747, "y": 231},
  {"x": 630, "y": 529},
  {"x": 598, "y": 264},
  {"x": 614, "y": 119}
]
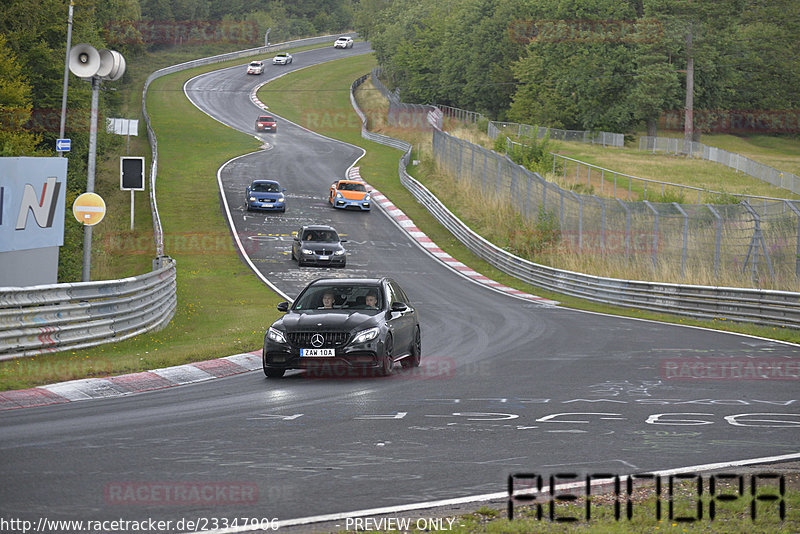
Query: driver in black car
[{"x": 328, "y": 299}]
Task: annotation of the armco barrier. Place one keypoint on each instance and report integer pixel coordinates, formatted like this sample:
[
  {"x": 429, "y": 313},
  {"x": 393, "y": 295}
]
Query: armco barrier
[
  {"x": 58, "y": 317},
  {"x": 761, "y": 307}
]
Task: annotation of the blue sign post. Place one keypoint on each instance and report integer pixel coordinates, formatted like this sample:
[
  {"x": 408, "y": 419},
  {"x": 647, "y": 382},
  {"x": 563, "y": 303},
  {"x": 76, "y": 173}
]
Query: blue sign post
[{"x": 63, "y": 145}]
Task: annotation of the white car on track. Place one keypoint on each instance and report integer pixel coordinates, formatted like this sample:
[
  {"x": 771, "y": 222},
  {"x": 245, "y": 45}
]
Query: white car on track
[
  {"x": 343, "y": 42},
  {"x": 282, "y": 59},
  {"x": 255, "y": 67}
]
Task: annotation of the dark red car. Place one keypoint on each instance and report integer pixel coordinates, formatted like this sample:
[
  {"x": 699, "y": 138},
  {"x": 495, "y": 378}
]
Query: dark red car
[{"x": 266, "y": 123}]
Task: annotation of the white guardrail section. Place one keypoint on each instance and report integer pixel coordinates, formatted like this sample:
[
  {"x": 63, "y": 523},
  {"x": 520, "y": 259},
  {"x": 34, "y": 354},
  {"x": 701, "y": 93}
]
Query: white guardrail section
[
  {"x": 60, "y": 317},
  {"x": 762, "y": 307}
]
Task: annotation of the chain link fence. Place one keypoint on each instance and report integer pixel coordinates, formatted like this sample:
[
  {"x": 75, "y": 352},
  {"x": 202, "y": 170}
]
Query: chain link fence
[
  {"x": 579, "y": 136},
  {"x": 761, "y": 240},
  {"x": 765, "y": 173},
  {"x": 620, "y": 185}
]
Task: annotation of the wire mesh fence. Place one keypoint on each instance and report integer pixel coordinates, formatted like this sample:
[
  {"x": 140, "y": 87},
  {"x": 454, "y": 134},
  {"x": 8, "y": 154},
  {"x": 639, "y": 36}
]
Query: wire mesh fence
[
  {"x": 620, "y": 185},
  {"x": 760, "y": 241},
  {"x": 765, "y": 173},
  {"x": 517, "y": 130}
]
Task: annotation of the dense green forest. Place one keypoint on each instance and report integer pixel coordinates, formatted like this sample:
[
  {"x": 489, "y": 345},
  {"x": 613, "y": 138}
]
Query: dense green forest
[
  {"x": 33, "y": 36},
  {"x": 614, "y": 65}
]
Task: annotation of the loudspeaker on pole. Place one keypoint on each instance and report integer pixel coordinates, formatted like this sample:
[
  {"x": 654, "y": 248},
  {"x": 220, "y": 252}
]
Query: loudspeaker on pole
[{"x": 84, "y": 60}]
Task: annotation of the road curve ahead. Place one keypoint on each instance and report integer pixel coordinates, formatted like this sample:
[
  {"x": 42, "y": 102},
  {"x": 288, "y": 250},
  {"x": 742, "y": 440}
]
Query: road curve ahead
[{"x": 506, "y": 385}]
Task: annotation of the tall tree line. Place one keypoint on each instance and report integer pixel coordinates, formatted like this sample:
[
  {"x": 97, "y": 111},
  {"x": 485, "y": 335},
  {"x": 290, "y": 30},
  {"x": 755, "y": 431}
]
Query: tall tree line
[
  {"x": 588, "y": 64},
  {"x": 33, "y": 47}
]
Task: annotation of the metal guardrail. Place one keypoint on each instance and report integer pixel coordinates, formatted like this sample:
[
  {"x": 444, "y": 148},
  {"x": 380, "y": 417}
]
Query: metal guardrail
[
  {"x": 761, "y": 307},
  {"x": 58, "y": 317}
]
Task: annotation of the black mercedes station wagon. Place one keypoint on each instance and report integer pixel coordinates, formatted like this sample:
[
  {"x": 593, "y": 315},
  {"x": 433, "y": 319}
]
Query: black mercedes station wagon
[{"x": 355, "y": 326}]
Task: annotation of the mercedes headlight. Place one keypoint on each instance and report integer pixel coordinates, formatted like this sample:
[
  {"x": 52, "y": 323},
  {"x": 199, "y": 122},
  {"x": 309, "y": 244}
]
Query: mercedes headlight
[
  {"x": 366, "y": 335},
  {"x": 276, "y": 335}
]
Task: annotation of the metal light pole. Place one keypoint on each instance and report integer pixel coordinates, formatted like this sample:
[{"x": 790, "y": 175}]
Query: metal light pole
[
  {"x": 86, "y": 274},
  {"x": 87, "y": 63},
  {"x": 66, "y": 79}
]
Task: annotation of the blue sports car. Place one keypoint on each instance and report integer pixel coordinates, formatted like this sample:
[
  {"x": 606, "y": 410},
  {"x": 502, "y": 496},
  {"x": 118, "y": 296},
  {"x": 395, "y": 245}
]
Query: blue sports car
[{"x": 265, "y": 195}]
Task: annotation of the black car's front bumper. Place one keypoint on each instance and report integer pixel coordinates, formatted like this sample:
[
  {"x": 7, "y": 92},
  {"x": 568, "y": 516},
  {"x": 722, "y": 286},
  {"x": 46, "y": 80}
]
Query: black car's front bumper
[
  {"x": 348, "y": 361},
  {"x": 332, "y": 261}
]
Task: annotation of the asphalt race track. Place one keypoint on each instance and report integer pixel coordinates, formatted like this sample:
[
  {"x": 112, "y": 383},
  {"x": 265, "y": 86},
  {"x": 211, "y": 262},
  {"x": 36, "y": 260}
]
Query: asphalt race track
[{"x": 506, "y": 386}]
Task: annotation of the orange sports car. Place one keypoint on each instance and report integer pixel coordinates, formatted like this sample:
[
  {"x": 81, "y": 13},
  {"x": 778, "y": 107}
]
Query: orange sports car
[{"x": 350, "y": 194}]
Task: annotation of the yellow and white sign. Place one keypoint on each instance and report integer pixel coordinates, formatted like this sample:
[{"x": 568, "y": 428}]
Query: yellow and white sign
[{"x": 89, "y": 209}]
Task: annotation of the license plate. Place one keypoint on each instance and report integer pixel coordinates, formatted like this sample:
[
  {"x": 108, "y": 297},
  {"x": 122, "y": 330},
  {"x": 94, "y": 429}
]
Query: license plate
[
  {"x": 324, "y": 257},
  {"x": 318, "y": 353},
  {"x": 266, "y": 204}
]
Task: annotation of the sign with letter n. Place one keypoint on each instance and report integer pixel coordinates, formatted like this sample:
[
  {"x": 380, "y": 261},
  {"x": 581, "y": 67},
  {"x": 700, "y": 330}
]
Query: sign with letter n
[
  {"x": 131, "y": 170},
  {"x": 32, "y": 202}
]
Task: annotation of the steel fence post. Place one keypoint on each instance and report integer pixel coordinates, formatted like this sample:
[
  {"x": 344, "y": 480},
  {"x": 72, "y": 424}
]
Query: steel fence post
[
  {"x": 797, "y": 249},
  {"x": 627, "y": 229},
  {"x": 580, "y": 220},
  {"x": 655, "y": 232},
  {"x": 602, "y": 223},
  {"x": 718, "y": 239},
  {"x": 472, "y": 163}
]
